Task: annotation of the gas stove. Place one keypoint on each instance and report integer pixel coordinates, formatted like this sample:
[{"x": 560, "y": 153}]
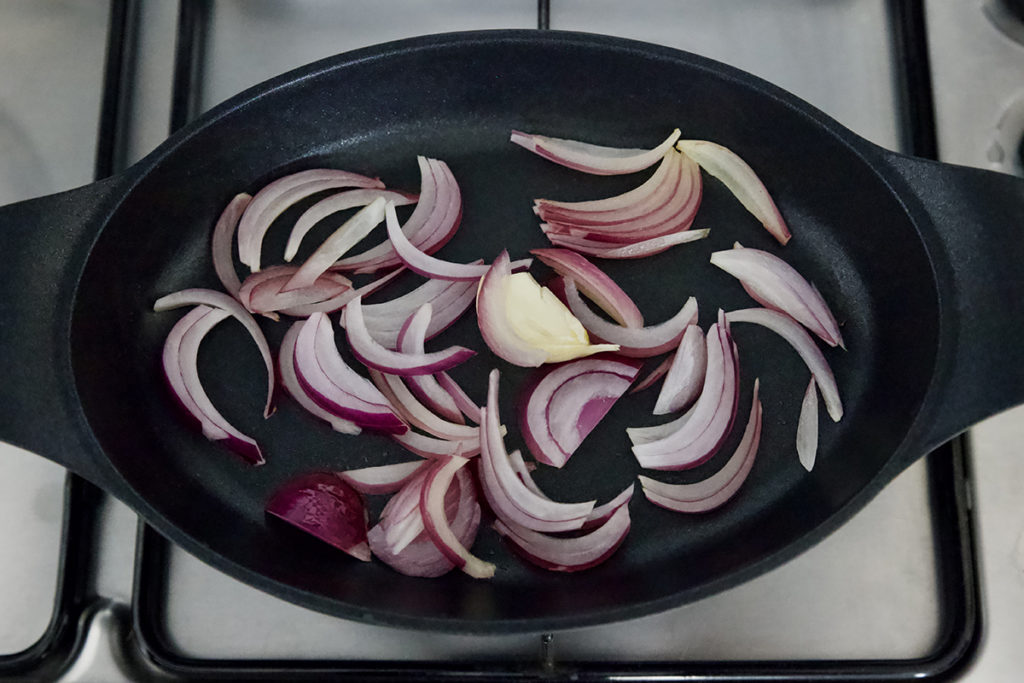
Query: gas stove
[{"x": 926, "y": 582}]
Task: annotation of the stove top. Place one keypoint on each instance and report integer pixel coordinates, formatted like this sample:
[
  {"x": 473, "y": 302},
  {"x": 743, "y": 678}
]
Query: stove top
[{"x": 890, "y": 594}]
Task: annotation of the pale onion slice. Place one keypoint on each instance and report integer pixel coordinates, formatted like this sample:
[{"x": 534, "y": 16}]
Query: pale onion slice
[
  {"x": 179, "y": 363},
  {"x": 703, "y": 434},
  {"x": 593, "y": 283},
  {"x": 790, "y": 330},
  {"x": 426, "y": 387},
  {"x": 341, "y": 240},
  {"x": 335, "y": 204},
  {"x": 417, "y": 414},
  {"x": 736, "y": 174},
  {"x": 565, "y": 405},
  {"x": 642, "y": 249},
  {"x": 273, "y": 199},
  {"x": 649, "y": 381},
  {"x": 263, "y": 295},
  {"x": 435, "y": 520},
  {"x": 600, "y": 514},
  {"x": 334, "y": 386},
  {"x": 590, "y": 158},
  {"x": 382, "y": 479},
  {"x": 432, "y": 448},
  {"x": 639, "y": 435},
  {"x": 429, "y": 266},
  {"x": 290, "y": 381},
  {"x": 574, "y": 554},
  {"x": 775, "y": 284},
  {"x": 710, "y": 493},
  {"x": 401, "y": 517},
  {"x": 223, "y": 240},
  {"x": 807, "y": 427},
  {"x": 326, "y": 507},
  {"x": 215, "y": 299},
  {"x": 645, "y": 342},
  {"x": 685, "y": 377},
  {"x": 468, "y": 406},
  {"x": 334, "y": 303}
]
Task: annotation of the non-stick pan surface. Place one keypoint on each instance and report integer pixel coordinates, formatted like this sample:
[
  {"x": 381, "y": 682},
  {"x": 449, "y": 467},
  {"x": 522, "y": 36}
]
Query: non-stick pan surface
[{"x": 83, "y": 345}]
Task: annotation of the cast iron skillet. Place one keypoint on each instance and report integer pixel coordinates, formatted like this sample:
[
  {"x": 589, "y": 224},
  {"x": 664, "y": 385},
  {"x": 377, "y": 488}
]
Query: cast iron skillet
[{"x": 920, "y": 261}]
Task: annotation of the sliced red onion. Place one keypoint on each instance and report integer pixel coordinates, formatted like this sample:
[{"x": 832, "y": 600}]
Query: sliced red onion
[
  {"x": 286, "y": 366},
  {"x": 323, "y": 505},
  {"x": 334, "y": 247},
  {"x": 373, "y": 355},
  {"x": 214, "y": 299},
  {"x": 685, "y": 378},
  {"x": 703, "y": 434},
  {"x": 590, "y": 158},
  {"x": 418, "y": 414},
  {"x": 575, "y": 554},
  {"x": 432, "y": 448},
  {"x": 382, "y": 479},
  {"x": 468, "y": 407},
  {"x": 334, "y": 303},
  {"x": 271, "y": 201},
  {"x": 334, "y": 386},
  {"x": 449, "y": 300},
  {"x": 775, "y": 284},
  {"x": 637, "y": 250},
  {"x": 223, "y": 239},
  {"x": 401, "y": 518},
  {"x": 639, "y": 435},
  {"x": 655, "y": 374},
  {"x": 807, "y": 427},
  {"x": 635, "y": 343},
  {"x": 710, "y": 493},
  {"x": 436, "y": 522},
  {"x": 266, "y": 296},
  {"x": 565, "y": 405},
  {"x": 594, "y": 284},
  {"x": 792, "y": 332},
  {"x": 600, "y": 514},
  {"x": 523, "y": 471},
  {"x": 426, "y": 387},
  {"x": 334, "y": 204},
  {"x": 180, "y": 355},
  {"x": 735, "y": 174},
  {"x": 494, "y": 324}
]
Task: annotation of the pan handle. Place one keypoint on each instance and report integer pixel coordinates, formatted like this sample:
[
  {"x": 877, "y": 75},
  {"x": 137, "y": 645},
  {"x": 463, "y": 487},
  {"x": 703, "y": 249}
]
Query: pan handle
[
  {"x": 44, "y": 243},
  {"x": 978, "y": 238}
]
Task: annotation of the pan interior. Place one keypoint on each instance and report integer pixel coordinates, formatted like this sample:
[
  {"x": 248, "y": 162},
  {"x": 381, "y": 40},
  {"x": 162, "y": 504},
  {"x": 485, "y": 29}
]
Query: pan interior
[{"x": 457, "y": 100}]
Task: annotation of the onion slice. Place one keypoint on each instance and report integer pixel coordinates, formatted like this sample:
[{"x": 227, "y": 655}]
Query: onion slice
[
  {"x": 382, "y": 479},
  {"x": 642, "y": 249},
  {"x": 435, "y": 520},
  {"x": 775, "y": 284},
  {"x": 736, "y": 174},
  {"x": 807, "y": 427},
  {"x": 214, "y": 299},
  {"x": 323, "y": 505},
  {"x": 467, "y": 405},
  {"x": 433, "y": 448},
  {"x": 594, "y": 284},
  {"x": 221, "y": 243},
  {"x": 334, "y": 303},
  {"x": 426, "y": 387},
  {"x": 708, "y": 494},
  {"x": 418, "y": 414},
  {"x": 590, "y": 158},
  {"x": 569, "y": 554},
  {"x": 290, "y": 381},
  {"x": 654, "y": 375},
  {"x": 792, "y": 332},
  {"x": 685, "y": 377},
  {"x": 600, "y": 514},
  {"x": 639, "y": 435},
  {"x": 636, "y": 343}
]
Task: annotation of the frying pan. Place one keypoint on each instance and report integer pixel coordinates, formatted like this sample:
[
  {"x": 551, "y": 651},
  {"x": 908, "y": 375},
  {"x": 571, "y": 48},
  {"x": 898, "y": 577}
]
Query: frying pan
[{"x": 920, "y": 261}]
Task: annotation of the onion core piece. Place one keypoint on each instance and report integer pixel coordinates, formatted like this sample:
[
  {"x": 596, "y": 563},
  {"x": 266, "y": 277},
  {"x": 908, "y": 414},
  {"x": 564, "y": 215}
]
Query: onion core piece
[
  {"x": 323, "y": 505},
  {"x": 436, "y": 522},
  {"x": 590, "y": 158}
]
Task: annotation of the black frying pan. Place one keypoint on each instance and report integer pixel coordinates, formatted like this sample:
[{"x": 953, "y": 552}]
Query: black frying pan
[{"x": 921, "y": 262}]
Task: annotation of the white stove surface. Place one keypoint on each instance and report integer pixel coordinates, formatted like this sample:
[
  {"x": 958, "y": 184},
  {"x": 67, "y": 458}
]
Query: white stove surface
[{"x": 866, "y": 591}]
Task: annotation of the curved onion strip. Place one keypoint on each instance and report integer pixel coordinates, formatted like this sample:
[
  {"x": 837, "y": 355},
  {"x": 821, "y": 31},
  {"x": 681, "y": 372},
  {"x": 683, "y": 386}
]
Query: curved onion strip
[
  {"x": 653, "y": 192},
  {"x": 215, "y": 426},
  {"x": 209, "y": 297},
  {"x": 170, "y": 360},
  {"x": 703, "y": 434},
  {"x": 594, "y": 284},
  {"x": 336, "y": 302},
  {"x": 639, "y": 435},
  {"x": 653, "y": 376},
  {"x": 426, "y": 387},
  {"x": 341, "y": 240},
  {"x": 735, "y": 174},
  {"x": 642, "y": 249},
  {"x": 432, "y": 448},
  {"x": 792, "y": 332},
  {"x": 334, "y": 204},
  {"x": 259, "y": 278},
  {"x": 635, "y": 343},
  {"x": 221, "y": 243},
  {"x": 381, "y": 479},
  {"x": 401, "y": 517},
  {"x": 565, "y": 405},
  {"x": 590, "y": 158},
  {"x": 468, "y": 407},
  {"x": 600, "y": 514},
  {"x": 807, "y": 427},
  {"x": 569, "y": 554},
  {"x": 290, "y": 381},
  {"x": 494, "y": 325},
  {"x": 434, "y": 519},
  {"x": 418, "y": 414},
  {"x": 271, "y": 201},
  {"x": 775, "y": 284},
  {"x": 337, "y": 388},
  {"x": 266, "y": 297},
  {"x": 326, "y": 507},
  {"x": 685, "y": 378},
  {"x": 373, "y": 355},
  {"x": 522, "y": 470},
  {"x": 712, "y": 492}
]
